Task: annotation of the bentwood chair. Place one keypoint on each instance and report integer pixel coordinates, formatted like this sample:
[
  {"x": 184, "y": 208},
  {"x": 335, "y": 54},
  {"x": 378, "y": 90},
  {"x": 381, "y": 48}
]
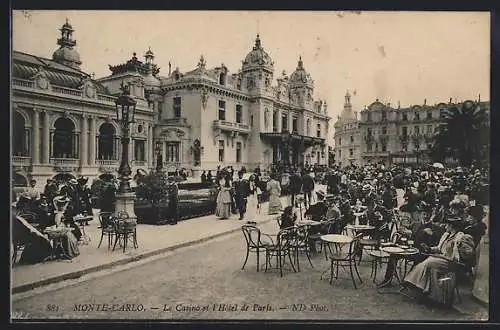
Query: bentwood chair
[
  {"x": 125, "y": 231},
  {"x": 302, "y": 244},
  {"x": 254, "y": 244},
  {"x": 108, "y": 227},
  {"x": 346, "y": 258},
  {"x": 281, "y": 249}
]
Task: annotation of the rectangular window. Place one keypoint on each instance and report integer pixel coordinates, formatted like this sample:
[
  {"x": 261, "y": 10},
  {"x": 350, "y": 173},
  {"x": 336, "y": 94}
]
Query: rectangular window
[
  {"x": 384, "y": 116},
  {"x": 295, "y": 127},
  {"x": 352, "y": 139},
  {"x": 369, "y": 131},
  {"x": 275, "y": 121},
  {"x": 318, "y": 130},
  {"x": 340, "y": 141},
  {"x": 384, "y": 130},
  {"x": 384, "y": 147},
  {"x": 173, "y": 152},
  {"x": 417, "y": 116},
  {"x": 221, "y": 150},
  {"x": 429, "y": 129},
  {"x": 177, "y": 107},
  {"x": 351, "y": 152},
  {"x": 405, "y": 130},
  {"x": 139, "y": 153},
  {"x": 239, "y": 114},
  {"x": 369, "y": 147},
  {"x": 284, "y": 122},
  {"x": 369, "y": 116},
  {"x": 251, "y": 121},
  {"x": 238, "y": 152},
  {"x": 340, "y": 153},
  {"x": 222, "y": 110},
  {"x": 429, "y": 115},
  {"x": 405, "y": 117},
  {"x": 417, "y": 130}
]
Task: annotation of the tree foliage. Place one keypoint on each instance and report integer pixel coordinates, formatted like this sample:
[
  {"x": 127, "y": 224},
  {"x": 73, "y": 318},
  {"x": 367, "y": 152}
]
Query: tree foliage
[
  {"x": 463, "y": 134},
  {"x": 152, "y": 186}
]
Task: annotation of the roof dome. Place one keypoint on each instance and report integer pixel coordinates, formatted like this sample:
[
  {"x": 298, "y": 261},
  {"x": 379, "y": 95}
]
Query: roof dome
[
  {"x": 300, "y": 75},
  {"x": 152, "y": 81},
  {"x": 258, "y": 57},
  {"x": 65, "y": 54}
]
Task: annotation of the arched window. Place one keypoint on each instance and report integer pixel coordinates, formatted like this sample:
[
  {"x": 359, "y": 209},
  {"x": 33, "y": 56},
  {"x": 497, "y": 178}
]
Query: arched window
[
  {"x": 20, "y": 136},
  {"x": 222, "y": 79},
  {"x": 308, "y": 127},
  {"x": 107, "y": 142},
  {"x": 19, "y": 180},
  {"x": 64, "y": 139}
]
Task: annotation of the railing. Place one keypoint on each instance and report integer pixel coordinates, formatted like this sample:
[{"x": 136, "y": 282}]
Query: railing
[
  {"x": 172, "y": 166},
  {"x": 230, "y": 126},
  {"x": 174, "y": 121},
  {"x": 61, "y": 90},
  {"x": 21, "y": 160},
  {"x": 65, "y": 164},
  {"x": 23, "y": 83},
  {"x": 67, "y": 91},
  {"x": 139, "y": 162},
  {"x": 106, "y": 162}
]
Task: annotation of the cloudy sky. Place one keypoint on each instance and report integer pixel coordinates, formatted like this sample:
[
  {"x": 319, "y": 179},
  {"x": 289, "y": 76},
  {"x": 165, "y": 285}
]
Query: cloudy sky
[{"x": 392, "y": 56}]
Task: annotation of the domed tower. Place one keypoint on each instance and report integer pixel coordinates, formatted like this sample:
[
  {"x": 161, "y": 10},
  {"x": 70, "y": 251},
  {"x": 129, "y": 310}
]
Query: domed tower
[
  {"x": 257, "y": 69},
  {"x": 66, "y": 54},
  {"x": 301, "y": 87}
]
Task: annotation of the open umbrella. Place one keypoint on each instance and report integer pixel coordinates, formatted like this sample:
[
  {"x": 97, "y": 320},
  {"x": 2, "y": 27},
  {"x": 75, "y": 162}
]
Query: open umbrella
[{"x": 438, "y": 165}]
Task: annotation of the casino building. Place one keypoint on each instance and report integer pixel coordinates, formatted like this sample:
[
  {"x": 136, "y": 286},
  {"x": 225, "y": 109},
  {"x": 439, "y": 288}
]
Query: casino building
[{"x": 64, "y": 124}]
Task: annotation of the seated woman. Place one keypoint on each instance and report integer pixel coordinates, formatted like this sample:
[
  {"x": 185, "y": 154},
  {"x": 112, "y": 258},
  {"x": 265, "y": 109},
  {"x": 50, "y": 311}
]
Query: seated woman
[
  {"x": 288, "y": 218},
  {"x": 474, "y": 224},
  {"x": 69, "y": 241},
  {"x": 454, "y": 246}
]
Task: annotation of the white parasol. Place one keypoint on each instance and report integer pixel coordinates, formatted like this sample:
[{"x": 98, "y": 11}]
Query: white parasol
[{"x": 438, "y": 165}]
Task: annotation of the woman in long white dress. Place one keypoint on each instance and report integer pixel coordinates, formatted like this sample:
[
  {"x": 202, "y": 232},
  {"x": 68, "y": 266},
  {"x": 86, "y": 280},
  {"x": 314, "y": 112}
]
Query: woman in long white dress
[
  {"x": 274, "y": 189},
  {"x": 224, "y": 199}
]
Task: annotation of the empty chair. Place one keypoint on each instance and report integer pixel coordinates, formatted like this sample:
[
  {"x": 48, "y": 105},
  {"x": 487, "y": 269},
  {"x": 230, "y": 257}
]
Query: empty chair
[{"x": 253, "y": 242}]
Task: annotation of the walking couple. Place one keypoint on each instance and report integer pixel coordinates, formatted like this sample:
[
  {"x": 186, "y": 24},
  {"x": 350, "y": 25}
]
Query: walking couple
[{"x": 240, "y": 191}]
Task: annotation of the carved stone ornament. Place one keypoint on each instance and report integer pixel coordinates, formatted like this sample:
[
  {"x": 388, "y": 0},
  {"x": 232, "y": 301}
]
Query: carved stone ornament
[
  {"x": 90, "y": 90},
  {"x": 204, "y": 97},
  {"x": 66, "y": 114},
  {"x": 108, "y": 119}
]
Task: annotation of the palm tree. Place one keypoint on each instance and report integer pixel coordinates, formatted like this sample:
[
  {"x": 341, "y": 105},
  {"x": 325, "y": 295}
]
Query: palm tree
[{"x": 463, "y": 134}]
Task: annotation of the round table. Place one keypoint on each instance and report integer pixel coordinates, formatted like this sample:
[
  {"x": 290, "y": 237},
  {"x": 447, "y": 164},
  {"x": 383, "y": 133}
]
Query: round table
[
  {"x": 399, "y": 253},
  {"x": 308, "y": 223},
  {"x": 337, "y": 240}
]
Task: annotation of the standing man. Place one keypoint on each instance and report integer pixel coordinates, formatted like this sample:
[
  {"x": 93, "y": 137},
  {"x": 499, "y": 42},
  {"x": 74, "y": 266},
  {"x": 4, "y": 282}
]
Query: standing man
[
  {"x": 241, "y": 192},
  {"x": 173, "y": 200},
  {"x": 50, "y": 191},
  {"x": 33, "y": 194},
  {"x": 307, "y": 188},
  {"x": 295, "y": 185}
]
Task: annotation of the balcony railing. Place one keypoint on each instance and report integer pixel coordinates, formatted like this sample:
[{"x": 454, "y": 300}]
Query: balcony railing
[
  {"x": 230, "y": 126},
  {"x": 65, "y": 164},
  {"x": 106, "y": 162},
  {"x": 23, "y": 83},
  {"x": 175, "y": 121},
  {"x": 21, "y": 160},
  {"x": 67, "y": 91},
  {"x": 139, "y": 162}
]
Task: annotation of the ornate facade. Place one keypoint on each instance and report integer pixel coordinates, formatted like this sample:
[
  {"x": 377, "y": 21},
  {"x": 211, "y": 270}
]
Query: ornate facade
[
  {"x": 64, "y": 119},
  {"x": 391, "y": 135},
  {"x": 347, "y": 138}
]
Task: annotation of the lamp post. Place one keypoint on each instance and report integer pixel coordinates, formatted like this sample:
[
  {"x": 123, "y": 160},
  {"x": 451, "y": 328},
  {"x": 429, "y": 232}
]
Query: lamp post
[
  {"x": 159, "y": 157},
  {"x": 125, "y": 110}
]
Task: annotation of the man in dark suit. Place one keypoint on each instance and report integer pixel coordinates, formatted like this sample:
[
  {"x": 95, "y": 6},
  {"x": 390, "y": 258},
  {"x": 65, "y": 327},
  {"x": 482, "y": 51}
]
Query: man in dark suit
[
  {"x": 295, "y": 185},
  {"x": 307, "y": 188},
  {"x": 241, "y": 192}
]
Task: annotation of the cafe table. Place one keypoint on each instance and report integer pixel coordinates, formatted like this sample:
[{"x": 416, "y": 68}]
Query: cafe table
[
  {"x": 338, "y": 241},
  {"x": 82, "y": 222},
  {"x": 399, "y": 253},
  {"x": 307, "y": 222}
]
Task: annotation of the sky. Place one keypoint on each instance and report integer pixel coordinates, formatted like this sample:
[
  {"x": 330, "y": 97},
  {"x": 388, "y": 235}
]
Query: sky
[{"x": 390, "y": 56}]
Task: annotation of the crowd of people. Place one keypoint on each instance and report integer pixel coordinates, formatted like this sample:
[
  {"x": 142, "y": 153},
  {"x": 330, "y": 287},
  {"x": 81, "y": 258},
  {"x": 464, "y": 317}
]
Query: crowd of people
[
  {"x": 440, "y": 210},
  {"x": 53, "y": 210}
]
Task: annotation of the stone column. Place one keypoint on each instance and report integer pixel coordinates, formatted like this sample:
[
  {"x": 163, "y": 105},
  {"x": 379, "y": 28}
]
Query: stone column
[
  {"x": 91, "y": 157},
  {"x": 164, "y": 151},
  {"x": 36, "y": 136},
  {"x": 84, "y": 144},
  {"x": 149, "y": 151},
  {"x": 46, "y": 137}
]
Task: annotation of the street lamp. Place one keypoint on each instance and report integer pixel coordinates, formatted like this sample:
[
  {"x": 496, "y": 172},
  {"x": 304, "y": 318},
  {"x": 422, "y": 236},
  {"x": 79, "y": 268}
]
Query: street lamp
[
  {"x": 125, "y": 198},
  {"x": 125, "y": 111},
  {"x": 159, "y": 157}
]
